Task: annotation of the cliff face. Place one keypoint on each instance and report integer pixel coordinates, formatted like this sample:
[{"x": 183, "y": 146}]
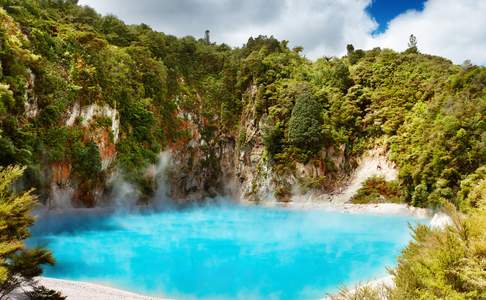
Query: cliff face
[
  {"x": 201, "y": 168},
  {"x": 197, "y": 168},
  {"x": 240, "y": 167}
]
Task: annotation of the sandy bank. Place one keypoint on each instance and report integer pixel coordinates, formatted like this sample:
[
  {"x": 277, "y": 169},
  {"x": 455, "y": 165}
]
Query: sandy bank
[{"x": 78, "y": 290}]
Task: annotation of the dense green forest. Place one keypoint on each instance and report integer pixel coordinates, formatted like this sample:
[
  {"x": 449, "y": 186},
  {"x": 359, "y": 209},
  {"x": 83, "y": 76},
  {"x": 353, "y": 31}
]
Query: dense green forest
[
  {"x": 54, "y": 54},
  {"x": 428, "y": 112}
]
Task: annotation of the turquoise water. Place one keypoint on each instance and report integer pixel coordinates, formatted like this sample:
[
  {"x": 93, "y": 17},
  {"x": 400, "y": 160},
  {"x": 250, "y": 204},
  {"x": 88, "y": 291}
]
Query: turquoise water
[{"x": 223, "y": 252}]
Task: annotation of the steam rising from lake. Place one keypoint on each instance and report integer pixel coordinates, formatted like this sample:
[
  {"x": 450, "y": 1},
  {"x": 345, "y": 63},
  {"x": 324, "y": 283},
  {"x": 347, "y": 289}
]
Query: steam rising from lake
[
  {"x": 125, "y": 196},
  {"x": 222, "y": 251}
]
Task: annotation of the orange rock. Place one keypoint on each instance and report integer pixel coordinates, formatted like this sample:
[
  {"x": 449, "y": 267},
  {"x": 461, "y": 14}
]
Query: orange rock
[{"x": 61, "y": 172}]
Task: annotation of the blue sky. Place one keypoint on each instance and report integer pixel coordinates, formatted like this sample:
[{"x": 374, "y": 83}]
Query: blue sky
[
  {"x": 383, "y": 11},
  {"x": 455, "y": 29}
]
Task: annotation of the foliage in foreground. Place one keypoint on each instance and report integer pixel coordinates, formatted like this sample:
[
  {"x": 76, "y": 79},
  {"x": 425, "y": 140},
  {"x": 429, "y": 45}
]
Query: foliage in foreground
[
  {"x": 18, "y": 265},
  {"x": 448, "y": 263},
  {"x": 363, "y": 292},
  {"x": 445, "y": 264}
]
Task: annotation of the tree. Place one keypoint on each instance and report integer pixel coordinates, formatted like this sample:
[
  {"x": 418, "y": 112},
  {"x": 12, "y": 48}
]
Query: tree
[
  {"x": 298, "y": 49},
  {"x": 305, "y": 123},
  {"x": 412, "y": 41},
  {"x": 206, "y": 37},
  {"x": 18, "y": 265},
  {"x": 467, "y": 65},
  {"x": 354, "y": 55},
  {"x": 350, "y": 49},
  {"x": 412, "y": 44}
]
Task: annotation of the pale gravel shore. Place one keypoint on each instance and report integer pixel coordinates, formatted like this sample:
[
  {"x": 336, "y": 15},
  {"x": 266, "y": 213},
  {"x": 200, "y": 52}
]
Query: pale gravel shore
[
  {"x": 79, "y": 290},
  {"x": 372, "y": 209},
  {"x": 437, "y": 219}
]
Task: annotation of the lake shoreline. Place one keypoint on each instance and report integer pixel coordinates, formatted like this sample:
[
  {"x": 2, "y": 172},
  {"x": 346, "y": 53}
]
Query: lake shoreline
[
  {"x": 437, "y": 219},
  {"x": 79, "y": 290},
  {"x": 389, "y": 209}
]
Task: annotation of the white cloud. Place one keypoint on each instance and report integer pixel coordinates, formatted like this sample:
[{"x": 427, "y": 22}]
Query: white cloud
[
  {"x": 452, "y": 28},
  {"x": 455, "y": 29},
  {"x": 322, "y": 27}
]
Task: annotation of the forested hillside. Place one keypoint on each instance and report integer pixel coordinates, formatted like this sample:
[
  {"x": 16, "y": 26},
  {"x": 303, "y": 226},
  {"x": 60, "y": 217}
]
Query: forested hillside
[{"x": 85, "y": 96}]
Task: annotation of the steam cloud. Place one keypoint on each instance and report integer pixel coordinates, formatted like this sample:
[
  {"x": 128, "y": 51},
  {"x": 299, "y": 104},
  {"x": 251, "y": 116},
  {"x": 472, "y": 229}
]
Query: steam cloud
[{"x": 125, "y": 195}]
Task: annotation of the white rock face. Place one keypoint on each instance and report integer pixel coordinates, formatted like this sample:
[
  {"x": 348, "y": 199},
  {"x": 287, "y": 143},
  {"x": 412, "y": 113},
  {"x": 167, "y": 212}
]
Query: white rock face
[
  {"x": 373, "y": 163},
  {"x": 440, "y": 221},
  {"x": 255, "y": 174},
  {"x": 89, "y": 112}
]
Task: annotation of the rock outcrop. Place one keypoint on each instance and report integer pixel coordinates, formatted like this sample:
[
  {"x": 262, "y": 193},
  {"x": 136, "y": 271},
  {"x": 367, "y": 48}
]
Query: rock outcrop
[{"x": 65, "y": 189}]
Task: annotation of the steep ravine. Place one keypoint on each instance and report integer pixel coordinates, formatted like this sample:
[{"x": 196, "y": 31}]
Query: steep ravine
[{"x": 197, "y": 168}]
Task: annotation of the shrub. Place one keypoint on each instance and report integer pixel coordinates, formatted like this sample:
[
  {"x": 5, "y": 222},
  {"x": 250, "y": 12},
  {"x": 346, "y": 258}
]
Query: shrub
[
  {"x": 43, "y": 293},
  {"x": 361, "y": 293},
  {"x": 273, "y": 139},
  {"x": 377, "y": 190},
  {"x": 87, "y": 160},
  {"x": 445, "y": 264}
]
